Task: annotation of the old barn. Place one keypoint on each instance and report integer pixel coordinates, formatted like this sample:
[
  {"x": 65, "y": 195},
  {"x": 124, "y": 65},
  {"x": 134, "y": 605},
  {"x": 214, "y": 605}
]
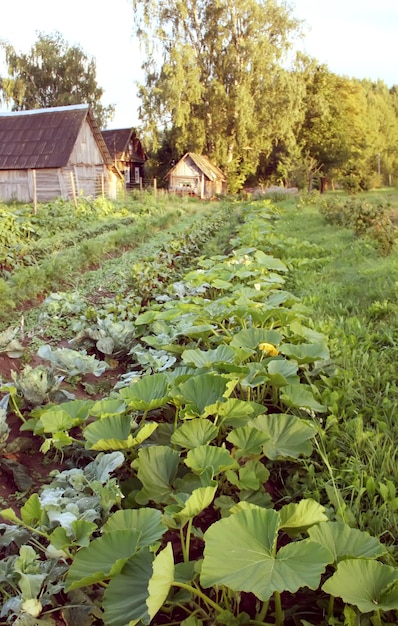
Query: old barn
[
  {"x": 127, "y": 153},
  {"x": 194, "y": 174},
  {"x": 54, "y": 152}
]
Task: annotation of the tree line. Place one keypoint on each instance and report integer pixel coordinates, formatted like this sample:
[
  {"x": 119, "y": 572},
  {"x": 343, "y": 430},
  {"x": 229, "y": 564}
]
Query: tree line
[{"x": 221, "y": 79}]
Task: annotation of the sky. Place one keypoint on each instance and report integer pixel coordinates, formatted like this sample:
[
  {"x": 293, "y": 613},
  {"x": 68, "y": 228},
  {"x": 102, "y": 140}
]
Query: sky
[{"x": 355, "y": 38}]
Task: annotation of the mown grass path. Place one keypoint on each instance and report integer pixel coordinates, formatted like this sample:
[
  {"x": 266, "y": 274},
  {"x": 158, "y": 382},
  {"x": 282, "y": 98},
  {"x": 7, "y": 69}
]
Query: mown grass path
[{"x": 353, "y": 295}]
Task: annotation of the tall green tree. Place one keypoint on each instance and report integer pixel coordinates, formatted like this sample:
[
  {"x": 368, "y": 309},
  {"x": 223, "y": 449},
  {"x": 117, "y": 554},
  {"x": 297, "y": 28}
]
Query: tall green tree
[
  {"x": 332, "y": 131},
  {"x": 214, "y": 77},
  {"x": 382, "y": 129},
  {"x": 52, "y": 74}
]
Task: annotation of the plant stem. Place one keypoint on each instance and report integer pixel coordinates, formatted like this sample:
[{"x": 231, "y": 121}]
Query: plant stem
[
  {"x": 200, "y": 594},
  {"x": 377, "y": 618},
  {"x": 188, "y": 540},
  {"x": 16, "y": 408},
  {"x": 176, "y": 416},
  {"x": 143, "y": 418},
  {"x": 278, "y": 609},
  {"x": 330, "y": 607},
  {"x": 264, "y": 610}
]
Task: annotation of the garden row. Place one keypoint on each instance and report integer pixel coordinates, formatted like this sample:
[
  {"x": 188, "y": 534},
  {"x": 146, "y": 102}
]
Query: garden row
[
  {"x": 187, "y": 462},
  {"x": 68, "y": 243}
]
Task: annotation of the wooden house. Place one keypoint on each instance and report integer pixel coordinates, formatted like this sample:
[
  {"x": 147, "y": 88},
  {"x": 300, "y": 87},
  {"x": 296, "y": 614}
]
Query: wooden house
[
  {"x": 127, "y": 153},
  {"x": 195, "y": 175},
  {"x": 54, "y": 152}
]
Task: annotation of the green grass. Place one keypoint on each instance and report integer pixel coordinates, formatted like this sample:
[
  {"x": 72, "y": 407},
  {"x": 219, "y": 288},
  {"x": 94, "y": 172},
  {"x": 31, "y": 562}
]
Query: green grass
[{"x": 352, "y": 292}]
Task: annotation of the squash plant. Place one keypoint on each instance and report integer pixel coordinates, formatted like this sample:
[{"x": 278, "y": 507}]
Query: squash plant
[{"x": 192, "y": 524}]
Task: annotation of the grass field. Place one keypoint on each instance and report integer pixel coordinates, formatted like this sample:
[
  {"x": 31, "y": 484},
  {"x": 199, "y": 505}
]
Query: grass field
[{"x": 353, "y": 293}]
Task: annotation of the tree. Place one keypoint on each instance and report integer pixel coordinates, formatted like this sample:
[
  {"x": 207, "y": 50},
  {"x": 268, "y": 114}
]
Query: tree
[
  {"x": 52, "y": 74},
  {"x": 382, "y": 130},
  {"x": 321, "y": 137},
  {"x": 214, "y": 77}
]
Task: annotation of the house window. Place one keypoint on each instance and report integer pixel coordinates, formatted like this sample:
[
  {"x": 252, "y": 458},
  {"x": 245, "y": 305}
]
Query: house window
[
  {"x": 127, "y": 175},
  {"x": 137, "y": 175}
]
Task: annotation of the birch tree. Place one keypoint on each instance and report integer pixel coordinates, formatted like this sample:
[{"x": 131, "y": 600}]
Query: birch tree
[
  {"x": 52, "y": 73},
  {"x": 214, "y": 75}
]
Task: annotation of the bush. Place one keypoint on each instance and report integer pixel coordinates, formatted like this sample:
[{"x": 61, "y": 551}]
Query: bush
[{"x": 365, "y": 218}]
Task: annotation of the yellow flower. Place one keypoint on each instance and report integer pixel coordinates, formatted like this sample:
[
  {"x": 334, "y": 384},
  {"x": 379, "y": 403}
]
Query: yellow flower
[{"x": 269, "y": 348}]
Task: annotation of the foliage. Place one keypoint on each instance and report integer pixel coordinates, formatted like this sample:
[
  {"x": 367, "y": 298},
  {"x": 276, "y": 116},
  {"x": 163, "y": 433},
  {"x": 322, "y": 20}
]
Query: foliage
[
  {"x": 248, "y": 443},
  {"x": 229, "y": 96},
  {"x": 10, "y": 343},
  {"x": 16, "y": 231},
  {"x": 232, "y": 98},
  {"x": 73, "y": 245},
  {"x": 53, "y": 73},
  {"x": 36, "y": 384},
  {"x": 365, "y": 218}
]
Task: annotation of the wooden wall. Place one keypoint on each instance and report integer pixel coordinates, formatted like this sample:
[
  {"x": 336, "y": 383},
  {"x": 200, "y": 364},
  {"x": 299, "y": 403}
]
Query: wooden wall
[
  {"x": 85, "y": 150},
  {"x": 23, "y": 185},
  {"x": 188, "y": 178},
  {"x": 15, "y": 185}
]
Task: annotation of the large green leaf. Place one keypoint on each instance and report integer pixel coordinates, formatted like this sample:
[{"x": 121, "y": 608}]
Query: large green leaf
[
  {"x": 156, "y": 469},
  {"x": 161, "y": 580},
  {"x": 125, "y": 597},
  {"x": 343, "y": 541},
  {"x": 113, "y": 433},
  {"x": 252, "y": 337},
  {"x": 78, "y": 409},
  {"x": 249, "y": 539},
  {"x": 289, "y": 435},
  {"x": 282, "y": 372},
  {"x": 32, "y": 512},
  {"x": 202, "y": 457},
  {"x": 270, "y": 262},
  {"x": 150, "y": 392},
  {"x": 296, "y": 518},
  {"x": 107, "y": 407},
  {"x": 203, "y": 391},
  {"x": 256, "y": 375},
  {"x": 194, "y": 433},
  {"x": 301, "y": 396},
  {"x": 103, "y": 558},
  {"x": 236, "y": 413},
  {"x": 250, "y": 477},
  {"x": 148, "y": 521},
  {"x": 248, "y": 440},
  {"x": 115, "y": 427},
  {"x": 369, "y": 585},
  {"x": 305, "y": 352},
  {"x": 197, "y": 502},
  {"x": 55, "y": 421},
  {"x": 205, "y": 359}
]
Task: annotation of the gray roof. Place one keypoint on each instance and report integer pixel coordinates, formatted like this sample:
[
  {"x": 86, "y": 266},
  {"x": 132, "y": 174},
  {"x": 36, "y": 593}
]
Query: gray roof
[
  {"x": 212, "y": 172},
  {"x": 44, "y": 138}
]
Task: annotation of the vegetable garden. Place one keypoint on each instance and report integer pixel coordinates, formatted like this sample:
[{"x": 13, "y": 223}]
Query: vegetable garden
[{"x": 235, "y": 468}]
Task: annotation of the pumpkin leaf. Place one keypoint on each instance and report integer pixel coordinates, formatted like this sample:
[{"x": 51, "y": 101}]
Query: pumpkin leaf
[{"x": 369, "y": 585}]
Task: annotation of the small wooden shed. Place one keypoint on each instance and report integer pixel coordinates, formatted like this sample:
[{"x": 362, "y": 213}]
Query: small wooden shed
[
  {"x": 127, "y": 153},
  {"x": 194, "y": 174},
  {"x": 54, "y": 152}
]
